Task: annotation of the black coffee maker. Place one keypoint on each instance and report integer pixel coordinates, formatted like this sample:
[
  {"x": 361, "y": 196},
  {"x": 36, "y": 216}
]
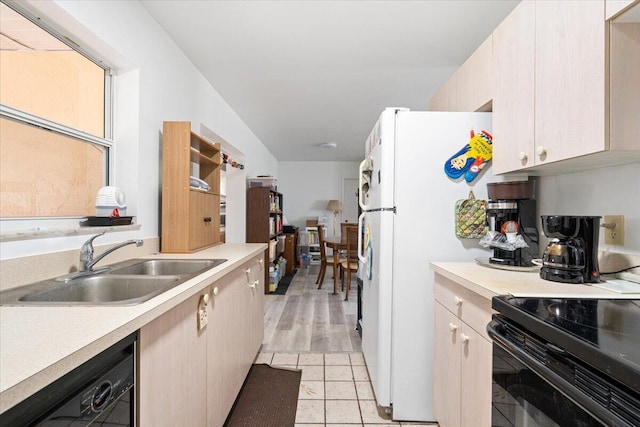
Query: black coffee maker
[
  {"x": 516, "y": 216},
  {"x": 572, "y": 254}
]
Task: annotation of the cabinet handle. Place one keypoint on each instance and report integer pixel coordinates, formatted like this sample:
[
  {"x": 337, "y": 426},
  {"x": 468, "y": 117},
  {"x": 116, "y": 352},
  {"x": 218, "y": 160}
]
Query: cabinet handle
[
  {"x": 207, "y": 219},
  {"x": 541, "y": 151},
  {"x": 254, "y": 284},
  {"x": 260, "y": 261},
  {"x": 457, "y": 300},
  {"x": 215, "y": 291},
  {"x": 464, "y": 338},
  {"x": 452, "y": 327},
  {"x": 522, "y": 156},
  {"x": 205, "y": 299}
]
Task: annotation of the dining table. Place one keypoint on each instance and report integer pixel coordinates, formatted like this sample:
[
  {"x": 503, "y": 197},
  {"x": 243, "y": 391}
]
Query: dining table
[{"x": 337, "y": 244}]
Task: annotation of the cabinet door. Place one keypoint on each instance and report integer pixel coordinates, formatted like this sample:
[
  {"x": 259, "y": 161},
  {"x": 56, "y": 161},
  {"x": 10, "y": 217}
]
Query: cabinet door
[
  {"x": 222, "y": 358},
  {"x": 569, "y": 79},
  {"x": 513, "y": 90},
  {"x": 172, "y": 367},
  {"x": 624, "y": 84},
  {"x": 205, "y": 219},
  {"x": 233, "y": 338},
  {"x": 475, "y": 374},
  {"x": 446, "y": 375},
  {"x": 255, "y": 296}
]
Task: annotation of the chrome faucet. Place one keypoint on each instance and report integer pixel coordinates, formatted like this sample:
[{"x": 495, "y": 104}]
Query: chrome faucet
[
  {"x": 86, "y": 252},
  {"x": 87, "y": 261}
]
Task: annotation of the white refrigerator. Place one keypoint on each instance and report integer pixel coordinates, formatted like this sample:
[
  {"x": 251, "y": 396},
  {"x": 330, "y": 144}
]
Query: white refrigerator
[{"x": 408, "y": 221}]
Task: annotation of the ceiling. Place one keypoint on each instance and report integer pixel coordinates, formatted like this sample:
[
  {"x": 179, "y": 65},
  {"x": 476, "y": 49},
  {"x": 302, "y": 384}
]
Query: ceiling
[{"x": 304, "y": 73}]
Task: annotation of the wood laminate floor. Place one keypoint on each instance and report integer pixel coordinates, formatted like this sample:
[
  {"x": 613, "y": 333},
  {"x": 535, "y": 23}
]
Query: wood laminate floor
[
  {"x": 314, "y": 331},
  {"x": 308, "y": 319}
]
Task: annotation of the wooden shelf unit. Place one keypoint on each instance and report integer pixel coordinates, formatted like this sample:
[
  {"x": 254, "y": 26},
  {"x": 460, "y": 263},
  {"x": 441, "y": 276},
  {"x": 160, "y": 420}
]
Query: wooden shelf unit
[
  {"x": 190, "y": 217},
  {"x": 264, "y": 220}
]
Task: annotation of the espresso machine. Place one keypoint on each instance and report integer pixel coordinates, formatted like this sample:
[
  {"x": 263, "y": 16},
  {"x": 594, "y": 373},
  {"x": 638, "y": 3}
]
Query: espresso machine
[
  {"x": 514, "y": 216},
  {"x": 572, "y": 254},
  {"x": 511, "y": 210}
]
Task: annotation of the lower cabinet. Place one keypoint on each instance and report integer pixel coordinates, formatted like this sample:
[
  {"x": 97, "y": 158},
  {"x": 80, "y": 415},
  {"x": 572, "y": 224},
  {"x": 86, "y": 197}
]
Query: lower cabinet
[
  {"x": 463, "y": 356},
  {"x": 191, "y": 376},
  {"x": 172, "y": 361}
]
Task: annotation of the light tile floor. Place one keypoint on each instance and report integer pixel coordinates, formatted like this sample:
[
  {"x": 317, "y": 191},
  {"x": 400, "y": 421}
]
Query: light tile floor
[{"x": 334, "y": 390}]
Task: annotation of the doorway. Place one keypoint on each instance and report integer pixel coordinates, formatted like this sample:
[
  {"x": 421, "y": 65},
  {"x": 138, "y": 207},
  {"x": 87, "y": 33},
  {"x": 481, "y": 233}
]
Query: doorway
[{"x": 350, "y": 200}]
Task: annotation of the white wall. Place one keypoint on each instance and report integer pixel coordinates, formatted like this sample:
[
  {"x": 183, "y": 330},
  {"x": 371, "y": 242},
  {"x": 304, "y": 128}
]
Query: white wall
[
  {"x": 607, "y": 191},
  {"x": 155, "y": 82},
  {"x": 307, "y": 187}
]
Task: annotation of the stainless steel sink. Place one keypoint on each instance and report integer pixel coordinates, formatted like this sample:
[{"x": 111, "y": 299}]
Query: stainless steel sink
[
  {"x": 164, "y": 267},
  {"x": 105, "y": 289},
  {"x": 126, "y": 283}
]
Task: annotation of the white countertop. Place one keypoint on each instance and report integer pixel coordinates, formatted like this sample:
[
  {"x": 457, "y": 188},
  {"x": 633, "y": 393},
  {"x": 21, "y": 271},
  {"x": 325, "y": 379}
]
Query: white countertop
[
  {"x": 490, "y": 282},
  {"x": 40, "y": 344}
]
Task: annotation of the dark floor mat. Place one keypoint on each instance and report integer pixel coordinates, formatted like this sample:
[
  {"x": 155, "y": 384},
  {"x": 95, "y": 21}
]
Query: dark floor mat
[
  {"x": 284, "y": 283},
  {"x": 268, "y": 398}
]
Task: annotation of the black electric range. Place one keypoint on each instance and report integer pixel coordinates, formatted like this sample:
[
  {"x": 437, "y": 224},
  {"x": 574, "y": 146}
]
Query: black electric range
[
  {"x": 565, "y": 362},
  {"x": 605, "y": 333}
]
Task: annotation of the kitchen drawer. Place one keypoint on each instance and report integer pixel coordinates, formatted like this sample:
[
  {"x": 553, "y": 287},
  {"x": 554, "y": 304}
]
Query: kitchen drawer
[
  {"x": 254, "y": 268},
  {"x": 471, "y": 308}
]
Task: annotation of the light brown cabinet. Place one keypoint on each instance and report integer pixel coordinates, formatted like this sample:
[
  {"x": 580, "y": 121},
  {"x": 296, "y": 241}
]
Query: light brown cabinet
[
  {"x": 553, "y": 110},
  {"x": 172, "y": 365},
  {"x": 463, "y": 356},
  {"x": 195, "y": 375},
  {"x": 469, "y": 89},
  {"x": 235, "y": 333},
  {"x": 190, "y": 217},
  {"x": 624, "y": 79},
  {"x": 513, "y": 89}
]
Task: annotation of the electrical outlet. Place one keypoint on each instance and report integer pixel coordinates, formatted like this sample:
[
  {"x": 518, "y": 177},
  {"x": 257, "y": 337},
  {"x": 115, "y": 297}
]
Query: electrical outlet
[
  {"x": 614, "y": 230},
  {"x": 203, "y": 318}
]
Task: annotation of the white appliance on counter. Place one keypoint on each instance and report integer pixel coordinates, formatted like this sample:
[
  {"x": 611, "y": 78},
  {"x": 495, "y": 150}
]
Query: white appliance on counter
[{"x": 408, "y": 221}]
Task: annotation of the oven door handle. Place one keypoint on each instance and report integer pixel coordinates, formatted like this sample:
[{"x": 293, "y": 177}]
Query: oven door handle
[{"x": 495, "y": 329}]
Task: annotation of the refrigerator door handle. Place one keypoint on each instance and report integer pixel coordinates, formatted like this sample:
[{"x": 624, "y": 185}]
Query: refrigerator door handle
[
  {"x": 361, "y": 192},
  {"x": 361, "y": 236}
]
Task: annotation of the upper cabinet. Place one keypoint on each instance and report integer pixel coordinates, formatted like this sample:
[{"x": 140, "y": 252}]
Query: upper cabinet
[
  {"x": 549, "y": 79},
  {"x": 624, "y": 79},
  {"x": 553, "y": 108},
  {"x": 563, "y": 86},
  {"x": 513, "y": 89},
  {"x": 569, "y": 80},
  {"x": 469, "y": 89}
]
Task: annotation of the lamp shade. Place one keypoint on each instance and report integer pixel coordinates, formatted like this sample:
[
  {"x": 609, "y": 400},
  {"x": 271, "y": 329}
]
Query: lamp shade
[{"x": 334, "y": 205}]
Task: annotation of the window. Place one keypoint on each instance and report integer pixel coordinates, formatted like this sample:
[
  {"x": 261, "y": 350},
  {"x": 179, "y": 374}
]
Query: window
[{"x": 54, "y": 122}]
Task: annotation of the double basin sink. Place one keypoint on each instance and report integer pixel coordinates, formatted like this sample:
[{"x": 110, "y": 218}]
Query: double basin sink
[{"x": 127, "y": 283}]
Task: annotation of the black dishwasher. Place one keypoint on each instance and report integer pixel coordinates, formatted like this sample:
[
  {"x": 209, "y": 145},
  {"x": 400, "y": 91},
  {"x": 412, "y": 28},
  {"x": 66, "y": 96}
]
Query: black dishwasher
[{"x": 101, "y": 391}]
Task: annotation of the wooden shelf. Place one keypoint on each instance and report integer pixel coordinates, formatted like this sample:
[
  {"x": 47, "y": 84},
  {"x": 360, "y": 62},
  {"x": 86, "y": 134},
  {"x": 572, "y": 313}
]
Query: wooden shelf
[
  {"x": 198, "y": 157},
  {"x": 190, "y": 217},
  {"x": 260, "y": 216}
]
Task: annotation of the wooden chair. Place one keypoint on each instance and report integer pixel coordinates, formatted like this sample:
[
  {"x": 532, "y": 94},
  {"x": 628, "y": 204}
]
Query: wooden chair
[
  {"x": 323, "y": 257},
  {"x": 343, "y": 227},
  {"x": 343, "y": 232},
  {"x": 350, "y": 264}
]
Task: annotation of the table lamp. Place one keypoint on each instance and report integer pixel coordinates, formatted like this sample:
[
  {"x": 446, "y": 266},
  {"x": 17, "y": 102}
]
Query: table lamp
[{"x": 335, "y": 206}]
